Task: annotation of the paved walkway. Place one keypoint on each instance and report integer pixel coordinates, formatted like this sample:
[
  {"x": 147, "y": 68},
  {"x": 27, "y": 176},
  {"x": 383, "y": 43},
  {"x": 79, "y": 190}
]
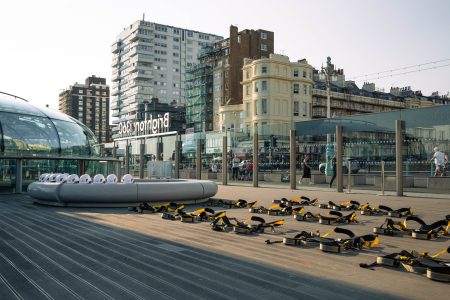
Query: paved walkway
[{"x": 50, "y": 252}]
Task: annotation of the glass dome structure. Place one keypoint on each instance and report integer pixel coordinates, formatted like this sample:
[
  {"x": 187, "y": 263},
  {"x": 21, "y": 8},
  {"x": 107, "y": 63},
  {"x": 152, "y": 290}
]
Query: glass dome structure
[{"x": 26, "y": 130}]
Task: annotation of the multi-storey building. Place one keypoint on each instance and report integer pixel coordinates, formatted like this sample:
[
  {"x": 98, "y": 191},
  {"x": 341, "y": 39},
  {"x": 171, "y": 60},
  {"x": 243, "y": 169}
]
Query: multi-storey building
[
  {"x": 89, "y": 103},
  {"x": 229, "y": 58},
  {"x": 199, "y": 93},
  {"x": 348, "y": 99},
  {"x": 149, "y": 61},
  {"x": 276, "y": 94}
]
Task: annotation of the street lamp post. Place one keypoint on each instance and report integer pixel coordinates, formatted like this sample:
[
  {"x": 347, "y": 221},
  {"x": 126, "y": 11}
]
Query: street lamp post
[{"x": 327, "y": 74}]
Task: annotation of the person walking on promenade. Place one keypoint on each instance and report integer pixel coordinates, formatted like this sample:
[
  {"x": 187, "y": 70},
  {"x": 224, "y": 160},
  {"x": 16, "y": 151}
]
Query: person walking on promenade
[
  {"x": 333, "y": 164},
  {"x": 235, "y": 167},
  {"x": 440, "y": 160},
  {"x": 306, "y": 169}
]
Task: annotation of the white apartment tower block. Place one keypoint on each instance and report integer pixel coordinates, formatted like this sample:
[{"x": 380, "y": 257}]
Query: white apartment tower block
[{"x": 149, "y": 61}]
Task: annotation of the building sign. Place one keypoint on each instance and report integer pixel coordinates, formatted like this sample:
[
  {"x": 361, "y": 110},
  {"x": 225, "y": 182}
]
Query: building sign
[{"x": 150, "y": 126}]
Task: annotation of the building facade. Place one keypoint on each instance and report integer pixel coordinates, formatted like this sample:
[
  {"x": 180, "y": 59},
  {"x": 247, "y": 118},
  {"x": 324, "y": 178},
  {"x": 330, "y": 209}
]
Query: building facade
[
  {"x": 149, "y": 61},
  {"x": 199, "y": 93},
  {"x": 276, "y": 94},
  {"x": 348, "y": 99},
  {"x": 89, "y": 104},
  {"x": 229, "y": 58}
]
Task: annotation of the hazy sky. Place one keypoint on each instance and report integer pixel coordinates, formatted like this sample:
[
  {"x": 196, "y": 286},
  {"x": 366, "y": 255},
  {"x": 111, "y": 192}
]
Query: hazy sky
[{"x": 48, "y": 45}]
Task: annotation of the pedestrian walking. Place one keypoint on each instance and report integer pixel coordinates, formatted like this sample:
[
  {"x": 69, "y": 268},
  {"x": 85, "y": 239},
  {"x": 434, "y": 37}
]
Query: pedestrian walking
[
  {"x": 440, "y": 160},
  {"x": 306, "y": 169},
  {"x": 333, "y": 165}
]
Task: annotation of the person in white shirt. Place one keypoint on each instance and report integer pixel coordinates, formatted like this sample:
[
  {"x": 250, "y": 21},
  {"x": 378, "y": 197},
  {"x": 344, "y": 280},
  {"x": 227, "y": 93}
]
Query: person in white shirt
[
  {"x": 235, "y": 167},
  {"x": 440, "y": 159}
]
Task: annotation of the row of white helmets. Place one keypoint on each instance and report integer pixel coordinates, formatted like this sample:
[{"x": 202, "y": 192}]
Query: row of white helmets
[{"x": 85, "y": 178}]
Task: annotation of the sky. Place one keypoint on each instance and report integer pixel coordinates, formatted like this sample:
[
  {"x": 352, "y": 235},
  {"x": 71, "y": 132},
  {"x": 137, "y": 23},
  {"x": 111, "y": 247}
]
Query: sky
[{"x": 46, "y": 46}]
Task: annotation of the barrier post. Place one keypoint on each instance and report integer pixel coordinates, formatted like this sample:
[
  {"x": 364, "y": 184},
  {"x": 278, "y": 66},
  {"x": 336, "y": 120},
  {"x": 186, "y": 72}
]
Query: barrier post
[
  {"x": 198, "y": 160},
  {"x": 224, "y": 161},
  {"x": 19, "y": 176},
  {"x": 399, "y": 138},
  {"x": 292, "y": 160},
  {"x": 177, "y": 157},
  {"x": 339, "y": 173},
  {"x": 349, "y": 177},
  {"x": 255, "y": 157},
  {"x": 382, "y": 177},
  {"x": 141, "y": 160}
]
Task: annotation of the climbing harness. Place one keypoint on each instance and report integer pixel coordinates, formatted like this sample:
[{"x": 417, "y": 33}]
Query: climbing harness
[
  {"x": 145, "y": 207},
  {"x": 425, "y": 231},
  {"x": 240, "y": 203},
  {"x": 416, "y": 262},
  {"x": 390, "y": 227},
  {"x": 340, "y": 218},
  {"x": 223, "y": 223},
  {"x": 302, "y": 200},
  {"x": 346, "y": 205},
  {"x": 202, "y": 214},
  {"x": 327, "y": 244},
  {"x": 366, "y": 209},
  {"x": 397, "y": 213}
]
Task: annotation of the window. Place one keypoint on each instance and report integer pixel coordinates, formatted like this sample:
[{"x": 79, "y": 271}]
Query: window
[
  {"x": 264, "y": 85},
  {"x": 264, "y": 35},
  {"x": 247, "y": 90},
  {"x": 305, "y": 89},
  {"x": 296, "y": 108},
  {"x": 296, "y": 88},
  {"x": 176, "y": 31},
  {"x": 264, "y": 70},
  {"x": 295, "y": 73},
  {"x": 176, "y": 47},
  {"x": 256, "y": 107},
  {"x": 175, "y": 54},
  {"x": 304, "y": 74},
  {"x": 189, "y": 34},
  {"x": 247, "y": 74},
  {"x": 247, "y": 109},
  {"x": 305, "y": 109},
  {"x": 264, "y": 105},
  {"x": 264, "y": 47},
  {"x": 256, "y": 87},
  {"x": 239, "y": 38}
]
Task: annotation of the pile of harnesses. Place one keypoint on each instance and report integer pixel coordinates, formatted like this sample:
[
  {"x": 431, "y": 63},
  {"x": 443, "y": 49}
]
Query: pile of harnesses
[
  {"x": 331, "y": 244},
  {"x": 415, "y": 262},
  {"x": 424, "y": 232},
  {"x": 202, "y": 214}
]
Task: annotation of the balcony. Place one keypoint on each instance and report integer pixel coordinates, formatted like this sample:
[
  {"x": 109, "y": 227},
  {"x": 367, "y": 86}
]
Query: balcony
[
  {"x": 116, "y": 47},
  {"x": 115, "y": 77},
  {"x": 136, "y": 36}
]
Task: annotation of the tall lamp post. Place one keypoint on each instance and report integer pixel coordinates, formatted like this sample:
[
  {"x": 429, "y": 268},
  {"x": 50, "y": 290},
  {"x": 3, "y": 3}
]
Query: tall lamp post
[{"x": 327, "y": 73}]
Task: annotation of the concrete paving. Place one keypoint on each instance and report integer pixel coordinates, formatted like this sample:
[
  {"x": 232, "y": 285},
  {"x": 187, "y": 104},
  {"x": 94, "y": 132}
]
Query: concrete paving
[{"x": 87, "y": 253}]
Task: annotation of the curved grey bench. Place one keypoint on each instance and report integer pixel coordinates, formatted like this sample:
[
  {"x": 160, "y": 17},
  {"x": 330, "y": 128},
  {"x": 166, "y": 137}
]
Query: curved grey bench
[{"x": 120, "y": 194}]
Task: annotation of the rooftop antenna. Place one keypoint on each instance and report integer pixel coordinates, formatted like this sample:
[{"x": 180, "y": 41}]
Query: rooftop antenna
[{"x": 143, "y": 16}]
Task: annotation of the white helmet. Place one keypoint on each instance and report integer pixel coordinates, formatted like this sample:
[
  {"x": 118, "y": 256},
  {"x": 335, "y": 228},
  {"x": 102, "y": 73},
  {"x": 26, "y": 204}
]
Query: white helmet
[
  {"x": 42, "y": 177},
  {"x": 62, "y": 178},
  {"x": 47, "y": 177},
  {"x": 111, "y": 179},
  {"x": 52, "y": 177},
  {"x": 99, "y": 178},
  {"x": 85, "y": 178},
  {"x": 127, "y": 178},
  {"x": 73, "y": 178}
]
